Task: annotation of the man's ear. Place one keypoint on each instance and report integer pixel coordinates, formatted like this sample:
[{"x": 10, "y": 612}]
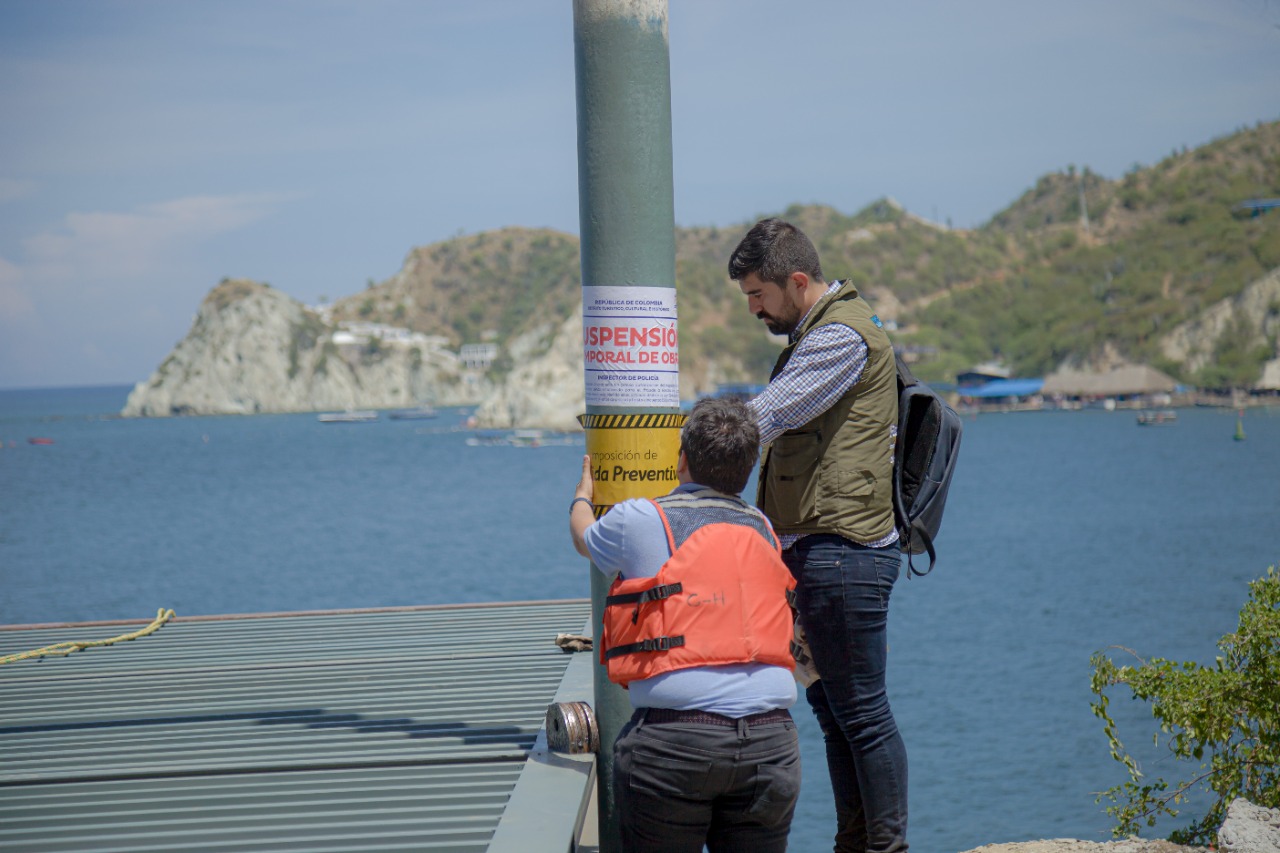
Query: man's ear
[
  {"x": 801, "y": 281},
  {"x": 682, "y": 464}
]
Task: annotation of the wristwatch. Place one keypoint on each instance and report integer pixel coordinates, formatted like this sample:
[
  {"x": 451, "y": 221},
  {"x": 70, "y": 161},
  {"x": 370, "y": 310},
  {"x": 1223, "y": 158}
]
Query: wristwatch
[{"x": 574, "y": 502}]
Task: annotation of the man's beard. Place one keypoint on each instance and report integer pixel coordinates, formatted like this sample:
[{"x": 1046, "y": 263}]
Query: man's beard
[{"x": 779, "y": 325}]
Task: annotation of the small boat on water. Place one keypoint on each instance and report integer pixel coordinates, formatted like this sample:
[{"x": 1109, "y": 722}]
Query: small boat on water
[
  {"x": 417, "y": 413},
  {"x": 527, "y": 438},
  {"x": 522, "y": 438},
  {"x": 351, "y": 416},
  {"x": 40, "y": 440},
  {"x": 1158, "y": 416}
]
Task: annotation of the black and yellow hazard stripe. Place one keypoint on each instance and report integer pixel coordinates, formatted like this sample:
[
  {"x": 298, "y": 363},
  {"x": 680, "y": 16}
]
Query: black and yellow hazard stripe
[{"x": 655, "y": 421}]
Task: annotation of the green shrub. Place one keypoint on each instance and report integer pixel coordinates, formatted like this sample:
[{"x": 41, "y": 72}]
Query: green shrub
[{"x": 1225, "y": 718}]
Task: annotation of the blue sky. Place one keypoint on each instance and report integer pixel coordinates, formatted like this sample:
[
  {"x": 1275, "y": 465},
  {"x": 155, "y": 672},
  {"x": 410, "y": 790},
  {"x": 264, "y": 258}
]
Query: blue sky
[{"x": 149, "y": 148}]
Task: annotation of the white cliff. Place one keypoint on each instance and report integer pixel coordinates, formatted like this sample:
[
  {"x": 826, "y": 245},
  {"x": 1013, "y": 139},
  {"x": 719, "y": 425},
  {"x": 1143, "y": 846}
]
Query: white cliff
[
  {"x": 253, "y": 349},
  {"x": 545, "y": 388},
  {"x": 1255, "y": 312}
]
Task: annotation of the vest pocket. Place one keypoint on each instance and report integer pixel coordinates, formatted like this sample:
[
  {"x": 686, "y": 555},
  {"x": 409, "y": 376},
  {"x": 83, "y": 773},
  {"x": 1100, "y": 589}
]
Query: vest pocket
[
  {"x": 792, "y": 495},
  {"x": 846, "y": 484}
]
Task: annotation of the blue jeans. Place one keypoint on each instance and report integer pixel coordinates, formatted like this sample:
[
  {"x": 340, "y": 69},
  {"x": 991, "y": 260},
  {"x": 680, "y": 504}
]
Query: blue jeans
[
  {"x": 842, "y": 595},
  {"x": 682, "y": 785}
]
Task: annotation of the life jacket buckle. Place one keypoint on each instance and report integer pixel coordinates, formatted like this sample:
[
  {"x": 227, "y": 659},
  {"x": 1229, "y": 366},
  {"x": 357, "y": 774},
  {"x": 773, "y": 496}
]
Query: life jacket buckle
[
  {"x": 663, "y": 591},
  {"x": 663, "y": 644}
]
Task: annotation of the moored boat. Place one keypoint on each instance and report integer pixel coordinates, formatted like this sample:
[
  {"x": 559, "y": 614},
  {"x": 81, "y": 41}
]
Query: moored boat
[
  {"x": 523, "y": 438},
  {"x": 417, "y": 413},
  {"x": 351, "y": 416},
  {"x": 1159, "y": 416}
]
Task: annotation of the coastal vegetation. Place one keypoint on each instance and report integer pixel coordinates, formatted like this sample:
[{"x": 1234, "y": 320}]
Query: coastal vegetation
[
  {"x": 1079, "y": 269},
  {"x": 1221, "y": 722}
]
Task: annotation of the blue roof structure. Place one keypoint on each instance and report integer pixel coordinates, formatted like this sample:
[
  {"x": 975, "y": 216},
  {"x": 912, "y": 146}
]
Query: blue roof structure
[{"x": 1004, "y": 388}]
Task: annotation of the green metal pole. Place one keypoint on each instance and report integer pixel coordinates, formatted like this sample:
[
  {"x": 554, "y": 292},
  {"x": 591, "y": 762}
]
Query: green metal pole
[{"x": 627, "y": 223}]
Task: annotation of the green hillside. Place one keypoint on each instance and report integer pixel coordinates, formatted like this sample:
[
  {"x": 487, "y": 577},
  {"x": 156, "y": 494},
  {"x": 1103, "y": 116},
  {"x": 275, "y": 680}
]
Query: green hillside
[
  {"x": 1163, "y": 244},
  {"x": 1036, "y": 286}
]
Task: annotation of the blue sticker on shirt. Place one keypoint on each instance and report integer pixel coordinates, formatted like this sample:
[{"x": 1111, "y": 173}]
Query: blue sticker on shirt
[{"x": 875, "y": 318}]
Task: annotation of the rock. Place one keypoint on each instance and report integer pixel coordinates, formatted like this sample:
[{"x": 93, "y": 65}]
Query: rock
[
  {"x": 1193, "y": 343},
  {"x": 253, "y": 349},
  {"x": 1249, "y": 829},
  {"x": 1069, "y": 845},
  {"x": 543, "y": 391}
]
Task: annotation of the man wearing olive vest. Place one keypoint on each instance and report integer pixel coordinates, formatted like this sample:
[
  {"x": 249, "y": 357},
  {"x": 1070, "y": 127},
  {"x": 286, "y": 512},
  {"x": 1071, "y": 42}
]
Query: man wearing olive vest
[{"x": 828, "y": 420}]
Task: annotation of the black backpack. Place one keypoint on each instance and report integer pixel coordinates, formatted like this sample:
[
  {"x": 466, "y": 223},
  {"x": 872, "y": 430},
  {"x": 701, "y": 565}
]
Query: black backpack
[{"x": 924, "y": 460}]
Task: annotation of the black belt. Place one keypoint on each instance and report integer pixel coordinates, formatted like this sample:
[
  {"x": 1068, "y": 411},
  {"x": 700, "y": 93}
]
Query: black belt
[{"x": 667, "y": 715}]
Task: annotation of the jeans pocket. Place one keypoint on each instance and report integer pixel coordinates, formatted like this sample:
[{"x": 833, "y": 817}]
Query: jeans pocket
[
  {"x": 662, "y": 775},
  {"x": 777, "y": 787},
  {"x": 888, "y": 568},
  {"x": 815, "y": 559}
]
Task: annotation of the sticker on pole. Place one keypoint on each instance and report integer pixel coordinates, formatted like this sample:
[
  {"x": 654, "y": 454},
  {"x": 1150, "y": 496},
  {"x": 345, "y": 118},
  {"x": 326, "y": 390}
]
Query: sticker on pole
[
  {"x": 632, "y": 456},
  {"x": 629, "y": 346}
]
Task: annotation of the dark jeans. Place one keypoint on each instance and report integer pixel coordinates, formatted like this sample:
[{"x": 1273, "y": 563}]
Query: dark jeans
[
  {"x": 682, "y": 785},
  {"x": 842, "y": 595}
]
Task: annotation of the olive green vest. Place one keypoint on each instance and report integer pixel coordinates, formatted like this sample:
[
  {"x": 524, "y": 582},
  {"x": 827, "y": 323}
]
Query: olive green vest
[{"x": 834, "y": 474}]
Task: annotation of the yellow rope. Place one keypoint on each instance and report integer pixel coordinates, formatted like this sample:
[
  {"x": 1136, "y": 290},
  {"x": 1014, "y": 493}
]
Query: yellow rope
[{"x": 64, "y": 649}]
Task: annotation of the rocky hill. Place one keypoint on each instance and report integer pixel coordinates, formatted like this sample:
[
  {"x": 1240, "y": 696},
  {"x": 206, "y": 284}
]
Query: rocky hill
[
  {"x": 253, "y": 349},
  {"x": 1161, "y": 266}
]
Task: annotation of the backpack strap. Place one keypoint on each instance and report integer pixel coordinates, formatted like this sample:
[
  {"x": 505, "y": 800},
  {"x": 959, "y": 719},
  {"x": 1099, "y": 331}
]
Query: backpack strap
[
  {"x": 905, "y": 377},
  {"x": 928, "y": 546},
  {"x": 911, "y": 535}
]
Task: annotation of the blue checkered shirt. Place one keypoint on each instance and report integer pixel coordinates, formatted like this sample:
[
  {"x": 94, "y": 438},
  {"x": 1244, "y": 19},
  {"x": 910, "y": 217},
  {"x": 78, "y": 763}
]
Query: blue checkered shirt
[{"x": 825, "y": 364}]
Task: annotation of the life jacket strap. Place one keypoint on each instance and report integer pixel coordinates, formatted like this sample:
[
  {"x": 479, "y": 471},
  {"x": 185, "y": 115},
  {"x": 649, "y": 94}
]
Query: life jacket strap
[
  {"x": 653, "y": 644},
  {"x": 656, "y": 593}
]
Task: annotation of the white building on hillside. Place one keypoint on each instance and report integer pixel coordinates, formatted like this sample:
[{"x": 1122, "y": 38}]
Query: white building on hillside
[{"x": 478, "y": 356}]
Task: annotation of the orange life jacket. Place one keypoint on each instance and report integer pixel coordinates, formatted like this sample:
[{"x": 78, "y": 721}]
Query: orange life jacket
[{"x": 722, "y": 597}]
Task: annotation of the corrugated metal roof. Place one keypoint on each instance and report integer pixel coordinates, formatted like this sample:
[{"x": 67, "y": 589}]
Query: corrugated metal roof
[{"x": 403, "y": 729}]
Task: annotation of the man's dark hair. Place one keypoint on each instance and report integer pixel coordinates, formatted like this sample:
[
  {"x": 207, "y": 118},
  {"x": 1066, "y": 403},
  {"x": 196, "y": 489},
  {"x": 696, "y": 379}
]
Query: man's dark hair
[
  {"x": 721, "y": 442},
  {"x": 773, "y": 250}
]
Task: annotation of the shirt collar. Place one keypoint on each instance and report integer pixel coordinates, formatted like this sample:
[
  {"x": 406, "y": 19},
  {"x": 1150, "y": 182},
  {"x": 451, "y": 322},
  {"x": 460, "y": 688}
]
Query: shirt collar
[{"x": 695, "y": 487}]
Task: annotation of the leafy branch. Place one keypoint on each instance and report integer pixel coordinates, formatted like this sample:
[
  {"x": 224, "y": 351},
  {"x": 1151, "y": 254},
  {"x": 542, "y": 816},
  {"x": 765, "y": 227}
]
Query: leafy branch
[{"x": 1228, "y": 713}]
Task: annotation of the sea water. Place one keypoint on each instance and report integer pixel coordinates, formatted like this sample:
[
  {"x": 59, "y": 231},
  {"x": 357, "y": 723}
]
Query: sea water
[{"x": 1066, "y": 533}]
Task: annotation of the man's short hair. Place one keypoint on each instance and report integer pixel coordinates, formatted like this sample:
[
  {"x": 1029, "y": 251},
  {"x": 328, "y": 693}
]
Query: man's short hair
[
  {"x": 721, "y": 442},
  {"x": 773, "y": 250}
]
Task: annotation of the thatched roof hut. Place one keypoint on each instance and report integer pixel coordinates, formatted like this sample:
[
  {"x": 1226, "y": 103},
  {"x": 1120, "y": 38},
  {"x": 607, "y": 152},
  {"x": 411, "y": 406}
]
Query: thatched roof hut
[{"x": 1128, "y": 381}]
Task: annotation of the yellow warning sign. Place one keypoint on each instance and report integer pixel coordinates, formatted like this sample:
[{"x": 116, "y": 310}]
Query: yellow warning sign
[{"x": 632, "y": 456}]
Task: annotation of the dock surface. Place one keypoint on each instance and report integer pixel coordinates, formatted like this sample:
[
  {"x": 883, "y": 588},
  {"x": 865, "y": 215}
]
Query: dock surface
[{"x": 381, "y": 730}]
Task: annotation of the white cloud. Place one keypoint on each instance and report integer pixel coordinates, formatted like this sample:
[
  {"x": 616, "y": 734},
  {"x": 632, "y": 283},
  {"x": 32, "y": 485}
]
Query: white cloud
[
  {"x": 101, "y": 297},
  {"x": 101, "y": 246}
]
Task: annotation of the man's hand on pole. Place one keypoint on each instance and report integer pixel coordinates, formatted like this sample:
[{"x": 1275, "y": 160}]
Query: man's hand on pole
[
  {"x": 581, "y": 512},
  {"x": 586, "y": 486}
]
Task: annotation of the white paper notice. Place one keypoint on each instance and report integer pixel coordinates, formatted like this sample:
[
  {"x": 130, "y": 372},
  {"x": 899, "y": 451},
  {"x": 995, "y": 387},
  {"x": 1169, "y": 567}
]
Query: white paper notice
[{"x": 629, "y": 346}]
